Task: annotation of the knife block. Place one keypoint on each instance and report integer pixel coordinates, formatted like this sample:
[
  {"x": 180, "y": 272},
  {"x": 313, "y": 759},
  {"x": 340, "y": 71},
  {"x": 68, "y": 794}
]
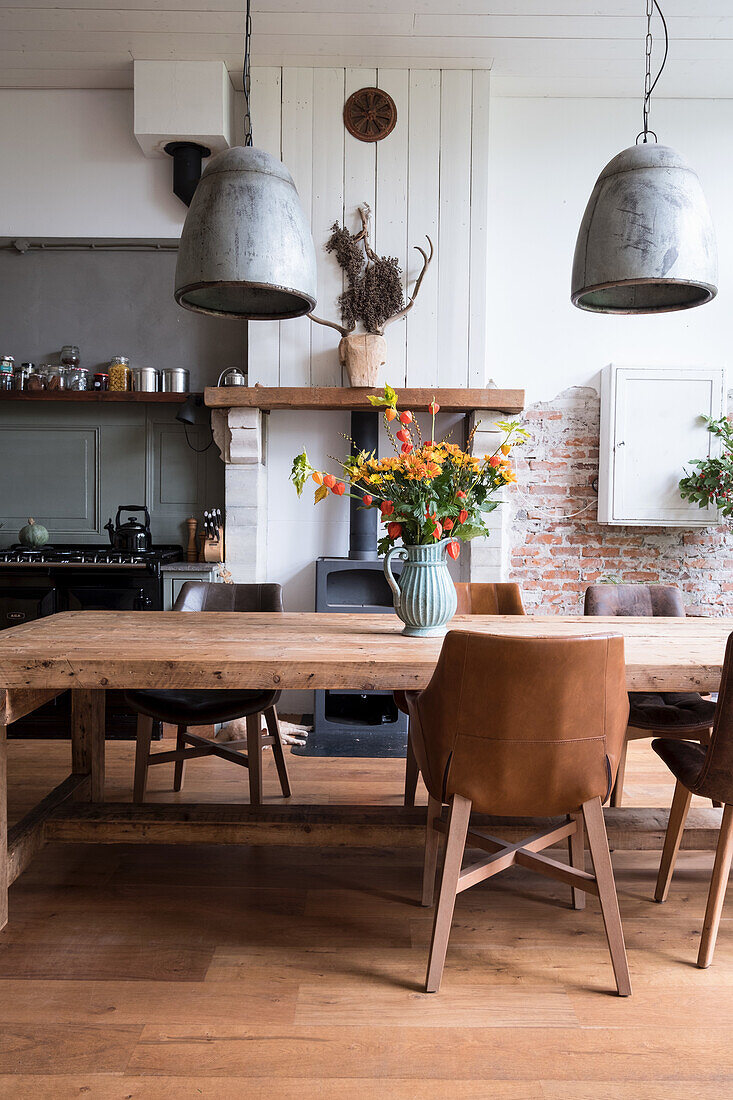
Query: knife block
[{"x": 213, "y": 549}]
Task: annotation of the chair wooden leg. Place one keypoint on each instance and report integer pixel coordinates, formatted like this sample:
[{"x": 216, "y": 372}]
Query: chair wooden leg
[
  {"x": 142, "y": 754},
  {"x": 618, "y": 788},
  {"x": 601, "y": 857},
  {"x": 180, "y": 765},
  {"x": 432, "y": 845},
  {"x": 273, "y": 727},
  {"x": 672, "y": 839},
  {"x": 412, "y": 773},
  {"x": 576, "y": 853},
  {"x": 254, "y": 759},
  {"x": 460, "y": 812},
  {"x": 718, "y": 884}
]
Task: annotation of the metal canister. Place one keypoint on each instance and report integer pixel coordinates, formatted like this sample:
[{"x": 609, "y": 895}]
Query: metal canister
[
  {"x": 174, "y": 380},
  {"x": 119, "y": 373},
  {"x": 145, "y": 379}
]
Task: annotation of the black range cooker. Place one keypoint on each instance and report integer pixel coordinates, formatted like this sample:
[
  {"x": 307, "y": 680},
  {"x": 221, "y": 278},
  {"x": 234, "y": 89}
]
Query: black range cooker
[
  {"x": 72, "y": 577},
  {"x": 79, "y": 577}
]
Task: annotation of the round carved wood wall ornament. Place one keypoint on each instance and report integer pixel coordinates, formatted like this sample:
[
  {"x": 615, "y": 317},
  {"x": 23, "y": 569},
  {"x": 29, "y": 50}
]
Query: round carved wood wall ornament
[{"x": 370, "y": 114}]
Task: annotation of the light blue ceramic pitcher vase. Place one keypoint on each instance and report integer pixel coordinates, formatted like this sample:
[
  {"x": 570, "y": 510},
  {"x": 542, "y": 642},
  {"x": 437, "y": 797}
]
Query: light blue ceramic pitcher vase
[{"x": 425, "y": 595}]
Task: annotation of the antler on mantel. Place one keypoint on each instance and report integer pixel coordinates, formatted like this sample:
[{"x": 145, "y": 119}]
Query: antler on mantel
[
  {"x": 418, "y": 283},
  {"x": 374, "y": 259}
]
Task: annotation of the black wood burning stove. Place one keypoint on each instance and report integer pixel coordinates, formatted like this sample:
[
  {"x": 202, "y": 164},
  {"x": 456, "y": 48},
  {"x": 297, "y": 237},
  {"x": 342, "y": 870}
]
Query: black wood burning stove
[{"x": 355, "y": 723}]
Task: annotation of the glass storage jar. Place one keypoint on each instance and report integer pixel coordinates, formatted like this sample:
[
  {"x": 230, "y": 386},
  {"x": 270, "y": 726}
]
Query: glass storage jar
[
  {"x": 53, "y": 376},
  {"x": 100, "y": 381},
  {"x": 20, "y": 377},
  {"x": 119, "y": 373},
  {"x": 6, "y": 372},
  {"x": 76, "y": 378},
  {"x": 70, "y": 355}
]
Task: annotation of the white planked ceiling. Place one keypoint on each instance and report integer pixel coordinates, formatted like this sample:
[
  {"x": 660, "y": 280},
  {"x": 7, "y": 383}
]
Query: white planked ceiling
[{"x": 533, "y": 47}]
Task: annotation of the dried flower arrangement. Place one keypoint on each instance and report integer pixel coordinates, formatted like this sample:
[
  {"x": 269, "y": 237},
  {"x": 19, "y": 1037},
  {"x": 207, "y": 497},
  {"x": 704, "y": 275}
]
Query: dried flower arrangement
[{"x": 373, "y": 298}]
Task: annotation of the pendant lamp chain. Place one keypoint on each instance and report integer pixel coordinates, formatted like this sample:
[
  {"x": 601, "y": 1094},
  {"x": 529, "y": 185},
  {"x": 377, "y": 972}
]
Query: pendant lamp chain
[
  {"x": 649, "y": 86},
  {"x": 246, "y": 77}
]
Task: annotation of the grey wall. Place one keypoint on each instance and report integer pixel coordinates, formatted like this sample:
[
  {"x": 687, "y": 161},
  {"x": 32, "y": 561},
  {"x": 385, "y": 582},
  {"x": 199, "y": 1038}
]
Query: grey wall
[
  {"x": 70, "y": 466},
  {"x": 110, "y": 303}
]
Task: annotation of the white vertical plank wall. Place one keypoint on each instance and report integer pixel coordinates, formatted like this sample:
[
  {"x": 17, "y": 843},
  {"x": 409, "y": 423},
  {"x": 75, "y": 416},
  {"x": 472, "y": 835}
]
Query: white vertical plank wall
[
  {"x": 478, "y": 273},
  {"x": 423, "y": 219},
  {"x": 430, "y": 176},
  {"x": 297, "y": 147},
  {"x": 327, "y": 208},
  {"x": 264, "y": 336},
  {"x": 454, "y": 238},
  {"x": 390, "y": 229}
]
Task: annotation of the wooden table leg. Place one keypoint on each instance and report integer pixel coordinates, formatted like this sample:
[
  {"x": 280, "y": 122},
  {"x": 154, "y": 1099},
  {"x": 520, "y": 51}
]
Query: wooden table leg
[
  {"x": 87, "y": 738},
  {"x": 4, "y": 872}
]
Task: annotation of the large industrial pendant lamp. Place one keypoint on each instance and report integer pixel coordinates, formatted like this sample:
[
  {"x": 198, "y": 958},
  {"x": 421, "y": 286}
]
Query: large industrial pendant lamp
[
  {"x": 246, "y": 250},
  {"x": 646, "y": 243}
]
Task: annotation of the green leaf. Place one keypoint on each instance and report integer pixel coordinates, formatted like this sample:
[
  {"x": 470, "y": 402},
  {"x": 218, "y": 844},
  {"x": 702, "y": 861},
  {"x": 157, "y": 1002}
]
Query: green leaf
[
  {"x": 300, "y": 472},
  {"x": 388, "y": 400}
]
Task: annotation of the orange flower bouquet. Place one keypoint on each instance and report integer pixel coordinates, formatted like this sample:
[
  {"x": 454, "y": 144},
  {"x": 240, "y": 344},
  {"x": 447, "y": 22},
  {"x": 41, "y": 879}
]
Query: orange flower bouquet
[{"x": 429, "y": 490}]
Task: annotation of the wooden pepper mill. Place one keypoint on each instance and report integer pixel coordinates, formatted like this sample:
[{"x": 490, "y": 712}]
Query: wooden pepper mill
[{"x": 191, "y": 551}]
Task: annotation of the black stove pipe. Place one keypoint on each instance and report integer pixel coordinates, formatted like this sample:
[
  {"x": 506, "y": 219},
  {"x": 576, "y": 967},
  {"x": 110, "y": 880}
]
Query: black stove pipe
[
  {"x": 363, "y": 521},
  {"x": 187, "y": 157}
]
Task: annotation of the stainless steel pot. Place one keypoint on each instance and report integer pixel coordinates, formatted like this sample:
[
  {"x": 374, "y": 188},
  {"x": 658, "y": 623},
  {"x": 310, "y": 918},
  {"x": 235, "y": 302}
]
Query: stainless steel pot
[
  {"x": 145, "y": 379},
  {"x": 174, "y": 380}
]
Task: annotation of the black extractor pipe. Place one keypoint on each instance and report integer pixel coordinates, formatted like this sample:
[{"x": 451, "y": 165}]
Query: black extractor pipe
[
  {"x": 363, "y": 521},
  {"x": 187, "y": 157}
]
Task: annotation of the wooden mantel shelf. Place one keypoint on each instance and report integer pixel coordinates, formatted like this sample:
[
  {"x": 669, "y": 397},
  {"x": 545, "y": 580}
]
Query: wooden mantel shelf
[{"x": 347, "y": 399}]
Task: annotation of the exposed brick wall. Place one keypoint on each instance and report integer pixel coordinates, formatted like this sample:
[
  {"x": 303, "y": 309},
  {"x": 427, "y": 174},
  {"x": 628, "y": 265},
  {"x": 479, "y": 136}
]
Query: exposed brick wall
[{"x": 554, "y": 558}]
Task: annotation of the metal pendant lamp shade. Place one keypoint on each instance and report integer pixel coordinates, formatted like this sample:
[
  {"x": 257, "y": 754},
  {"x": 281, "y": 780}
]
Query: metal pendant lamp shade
[
  {"x": 246, "y": 249},
  {"x": 646, "y": 243}
]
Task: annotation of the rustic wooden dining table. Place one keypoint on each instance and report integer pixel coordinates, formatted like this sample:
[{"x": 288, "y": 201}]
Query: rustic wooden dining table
[{"x": 89, "y": 652}]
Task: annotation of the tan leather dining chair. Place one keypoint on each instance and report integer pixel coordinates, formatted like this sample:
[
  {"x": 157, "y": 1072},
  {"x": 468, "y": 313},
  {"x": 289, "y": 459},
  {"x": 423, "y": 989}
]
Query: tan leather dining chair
[
  {"x": 521, "y": 727},
  {"x": 480, "y": 598},
  {"x": 706, "y": 770},
  {"x": 684, "y": 715}
]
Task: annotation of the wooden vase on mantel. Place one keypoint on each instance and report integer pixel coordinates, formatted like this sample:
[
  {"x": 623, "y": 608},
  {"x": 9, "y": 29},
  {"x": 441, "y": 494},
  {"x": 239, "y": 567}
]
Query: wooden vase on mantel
[{"x": 363, "y": 354}]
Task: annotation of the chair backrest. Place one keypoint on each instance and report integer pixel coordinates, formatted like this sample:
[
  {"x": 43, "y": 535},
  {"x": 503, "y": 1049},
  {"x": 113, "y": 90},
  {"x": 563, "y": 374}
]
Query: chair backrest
[
  {"x": 634, "y": 599},
  {"x": 503, "y": 598},
  {"x": 522, "y": 726},
  {"x": 206, "y": 596},
  {"x": 716, "y": 778}
]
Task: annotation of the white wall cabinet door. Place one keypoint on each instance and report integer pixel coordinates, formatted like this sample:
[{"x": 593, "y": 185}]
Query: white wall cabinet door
[{"x": 651, "y": 428}]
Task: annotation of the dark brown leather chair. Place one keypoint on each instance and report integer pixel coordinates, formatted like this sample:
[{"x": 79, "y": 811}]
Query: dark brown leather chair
[
  {"x": 202, "y": 708},
  {"x": 481, "y": 598},
  {"x": 521, "y": 727},
  {"x": 671, "y": 713},
  {"x": 706, "y": 770}
]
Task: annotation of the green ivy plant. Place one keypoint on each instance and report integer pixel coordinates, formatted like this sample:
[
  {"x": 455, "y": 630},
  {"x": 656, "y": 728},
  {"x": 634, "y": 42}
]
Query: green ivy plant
[{"x": 711, "y": 482}]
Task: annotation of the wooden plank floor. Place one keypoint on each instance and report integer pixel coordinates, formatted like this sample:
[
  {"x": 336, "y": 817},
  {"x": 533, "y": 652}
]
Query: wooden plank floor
[{"x": 283, "y": 973}]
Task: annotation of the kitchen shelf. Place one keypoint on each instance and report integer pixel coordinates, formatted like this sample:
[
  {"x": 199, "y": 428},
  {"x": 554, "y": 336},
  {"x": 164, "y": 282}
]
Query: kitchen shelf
[
  {"x": 92, "y": 396},
  {"x": 350, "y": 399}
]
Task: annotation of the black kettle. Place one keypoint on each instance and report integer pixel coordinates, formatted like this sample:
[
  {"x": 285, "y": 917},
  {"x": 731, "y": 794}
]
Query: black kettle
[{"x": 131, "y": 536}]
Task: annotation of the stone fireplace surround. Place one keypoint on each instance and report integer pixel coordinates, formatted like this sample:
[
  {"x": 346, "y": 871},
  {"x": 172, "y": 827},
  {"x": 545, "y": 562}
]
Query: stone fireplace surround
[{"x": 239, "y": 422}]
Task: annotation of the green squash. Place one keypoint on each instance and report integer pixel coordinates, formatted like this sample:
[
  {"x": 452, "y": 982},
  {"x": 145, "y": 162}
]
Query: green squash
[{"x": 33, "y": 534}]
